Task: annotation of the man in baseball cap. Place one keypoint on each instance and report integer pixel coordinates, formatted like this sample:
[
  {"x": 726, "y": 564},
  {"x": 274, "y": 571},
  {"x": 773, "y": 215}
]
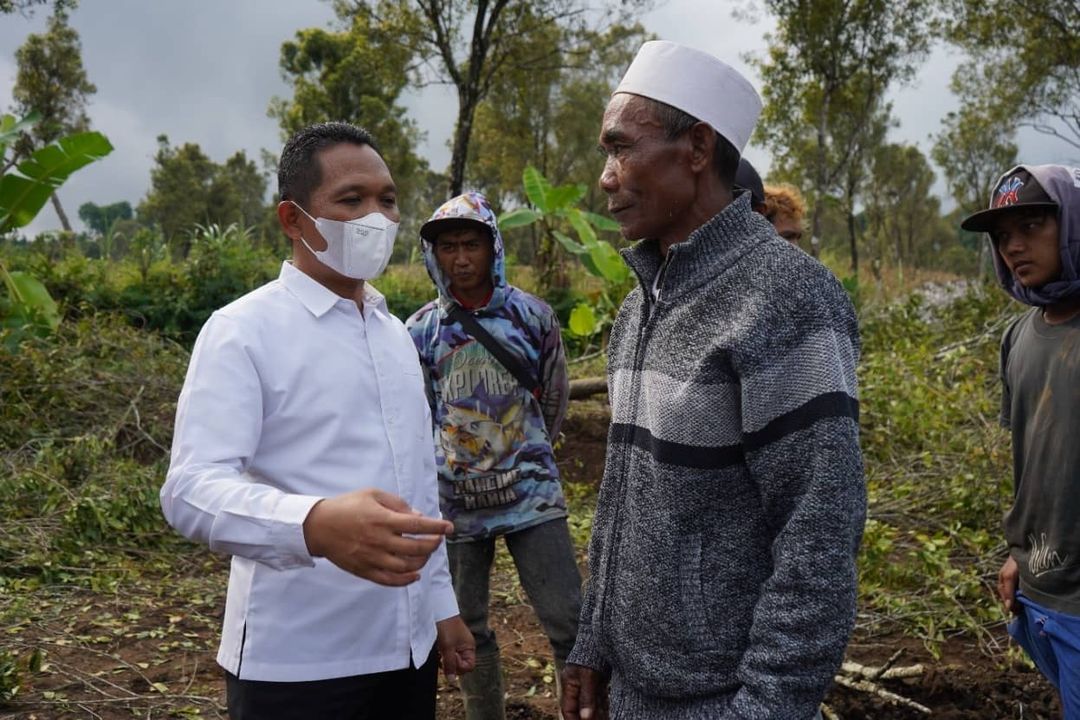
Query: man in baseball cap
[
  {"x": 723, "y": 550},
  {"x": 1034, "y": 226}
]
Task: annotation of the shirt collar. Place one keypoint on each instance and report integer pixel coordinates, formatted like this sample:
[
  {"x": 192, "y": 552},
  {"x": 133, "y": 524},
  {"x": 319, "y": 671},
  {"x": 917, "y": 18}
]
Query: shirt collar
[{"x": 318, "y": 298}]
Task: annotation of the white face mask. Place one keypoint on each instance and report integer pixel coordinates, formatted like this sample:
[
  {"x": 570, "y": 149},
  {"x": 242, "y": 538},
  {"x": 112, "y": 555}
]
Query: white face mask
[{"x": 358, "y": 249}]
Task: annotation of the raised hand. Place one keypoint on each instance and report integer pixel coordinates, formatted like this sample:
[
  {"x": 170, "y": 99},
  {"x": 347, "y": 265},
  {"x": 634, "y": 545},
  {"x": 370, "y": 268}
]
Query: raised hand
[{"x": 374, "y": 535}]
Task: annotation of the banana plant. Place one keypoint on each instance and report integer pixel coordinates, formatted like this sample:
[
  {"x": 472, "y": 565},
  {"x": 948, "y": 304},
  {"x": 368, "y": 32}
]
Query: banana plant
[
  {"x": 24, "y": 190},
  {"x": 555, "y": 209},
  {"x": 28, "y": 307}
]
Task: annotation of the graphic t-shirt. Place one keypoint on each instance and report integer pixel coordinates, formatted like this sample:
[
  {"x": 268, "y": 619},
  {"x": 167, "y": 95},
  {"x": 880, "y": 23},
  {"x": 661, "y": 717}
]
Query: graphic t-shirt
[
  {"x": 1040, "y": 366},
  {"x": 493, "y": 452}
]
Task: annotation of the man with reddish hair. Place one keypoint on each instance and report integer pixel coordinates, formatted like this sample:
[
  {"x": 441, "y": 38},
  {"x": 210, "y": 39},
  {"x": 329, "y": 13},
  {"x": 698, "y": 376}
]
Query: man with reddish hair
[{"x": 785, "y": 208}]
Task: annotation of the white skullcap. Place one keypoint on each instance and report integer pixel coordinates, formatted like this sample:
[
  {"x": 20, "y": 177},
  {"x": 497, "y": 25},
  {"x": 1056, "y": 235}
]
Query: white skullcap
[{"x": 698, "y": 84}]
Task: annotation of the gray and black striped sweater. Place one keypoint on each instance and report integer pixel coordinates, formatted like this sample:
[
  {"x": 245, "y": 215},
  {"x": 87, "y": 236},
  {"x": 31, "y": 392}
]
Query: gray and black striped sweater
[{"x": 722, "y": 559}]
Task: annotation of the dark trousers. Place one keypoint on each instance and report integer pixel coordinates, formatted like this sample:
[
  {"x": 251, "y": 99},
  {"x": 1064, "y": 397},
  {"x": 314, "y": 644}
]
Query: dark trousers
[
  {"x": 544, "y": 556},
  {"x": 407, "y": 694}
]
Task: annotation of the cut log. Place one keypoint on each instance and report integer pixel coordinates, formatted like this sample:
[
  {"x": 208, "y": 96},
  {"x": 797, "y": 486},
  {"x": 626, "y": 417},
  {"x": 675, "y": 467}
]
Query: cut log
[{"x": 587, "y": 387}]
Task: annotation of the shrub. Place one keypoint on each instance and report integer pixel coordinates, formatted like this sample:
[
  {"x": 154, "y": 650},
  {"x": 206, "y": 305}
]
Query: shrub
[{"x": 85, "y": 430}]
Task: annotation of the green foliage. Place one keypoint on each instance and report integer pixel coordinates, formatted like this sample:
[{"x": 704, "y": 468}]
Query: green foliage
[
  {"x": 937, "y": 465},
  {"x": 13, "y": 667},
  {"x": 406, "y": 288},
  {"x": 100, "y": 218},
  {"x": 973, "y": 149},
  {"x": 488, "y": 49},
  {"x": 9, "y": 677},
  {"x": 554, "y": 210},
  {"x": 827, "y": 70},
  {"x": 223, "y": 264},
  {"x": 86, "y": 423},
  {"x": 902, "y": 213},
  {"x": 25, "y": 191},
  {"x": 27, "y": 6},
  {"x": 188, "y": 188},
  {"x": 355, "y": 74},
  {"x": 148, "y": 287},
  {"x": 11, "y": 128},
  {"x": 28, "y": 307},
  {"x": 51, "y": 81},
  {"x": 1031, "y": 78},
  {"x": 549, "y": 117}
]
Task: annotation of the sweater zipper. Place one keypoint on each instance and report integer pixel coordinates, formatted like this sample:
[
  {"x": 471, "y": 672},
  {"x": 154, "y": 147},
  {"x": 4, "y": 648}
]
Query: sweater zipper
[{"x": 648, "y": 317}]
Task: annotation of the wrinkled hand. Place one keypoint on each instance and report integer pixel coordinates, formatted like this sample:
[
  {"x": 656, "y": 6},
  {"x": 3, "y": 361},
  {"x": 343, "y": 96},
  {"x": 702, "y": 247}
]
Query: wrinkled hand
[
  {"x": 457, "y": 647},
  {"x": 363, "y": 532},
  {"x": 584, "y": 694},
  {"x": 1008, "y": 581}
]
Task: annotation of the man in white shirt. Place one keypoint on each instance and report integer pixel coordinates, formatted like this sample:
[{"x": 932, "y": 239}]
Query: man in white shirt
[{"x": 303, "y": 449}]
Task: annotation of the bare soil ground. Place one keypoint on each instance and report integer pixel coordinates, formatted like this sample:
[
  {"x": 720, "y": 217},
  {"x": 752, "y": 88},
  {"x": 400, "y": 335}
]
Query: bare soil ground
[{"x": 146, "y": 649}]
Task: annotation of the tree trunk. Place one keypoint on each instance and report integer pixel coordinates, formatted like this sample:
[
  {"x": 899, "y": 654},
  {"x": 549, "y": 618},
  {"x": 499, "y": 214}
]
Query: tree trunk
[
  {"x": 462, "y": 133},
  {"x": 819, "y": 177},
  {"x": 551, "y": 274},
  {"x": 854, "y": 241},
  {"x": 815, "y": 227},
  {"x": 986, "y": 266},
  {"x": 60, "y": 213}
]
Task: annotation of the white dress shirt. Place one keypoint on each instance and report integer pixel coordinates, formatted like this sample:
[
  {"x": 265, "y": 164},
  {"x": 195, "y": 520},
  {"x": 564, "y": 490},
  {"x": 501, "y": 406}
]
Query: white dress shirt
[{"x": 292, "y": 396}]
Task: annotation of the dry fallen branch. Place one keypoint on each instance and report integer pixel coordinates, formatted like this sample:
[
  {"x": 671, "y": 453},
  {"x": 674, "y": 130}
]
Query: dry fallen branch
[
  {"x": 875, "y": 689},
  {"x": 864, "y": 679},
  {"x": 896, "y": 673}
]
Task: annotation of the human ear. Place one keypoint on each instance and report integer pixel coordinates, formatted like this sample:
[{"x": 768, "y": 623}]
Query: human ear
[
  {"x": 289, "y": 219},
  {"x": 702, "y": 146}
]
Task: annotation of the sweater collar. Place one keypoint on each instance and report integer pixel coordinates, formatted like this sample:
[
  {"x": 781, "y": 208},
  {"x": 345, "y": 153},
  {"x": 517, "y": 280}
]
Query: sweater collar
[{"x": 705, "y": 254}]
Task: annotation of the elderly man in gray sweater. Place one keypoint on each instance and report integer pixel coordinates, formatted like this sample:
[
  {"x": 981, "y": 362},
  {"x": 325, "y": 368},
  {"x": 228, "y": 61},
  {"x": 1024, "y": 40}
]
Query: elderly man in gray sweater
[{"x": 722, "y": 560}]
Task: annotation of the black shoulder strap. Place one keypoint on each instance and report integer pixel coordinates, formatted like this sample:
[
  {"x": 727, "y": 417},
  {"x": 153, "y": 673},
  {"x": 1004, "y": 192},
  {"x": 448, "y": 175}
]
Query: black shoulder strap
[
  {"x": 472, "y": 326},
  {"x": 1007, "y": 340}
]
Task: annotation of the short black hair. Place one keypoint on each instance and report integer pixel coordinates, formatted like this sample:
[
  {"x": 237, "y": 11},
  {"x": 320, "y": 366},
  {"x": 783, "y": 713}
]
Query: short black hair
[
  {"x": 676, "y": 122},
  {"x": 1026, "y": 212},
  {"x": 298, "y": 171}
]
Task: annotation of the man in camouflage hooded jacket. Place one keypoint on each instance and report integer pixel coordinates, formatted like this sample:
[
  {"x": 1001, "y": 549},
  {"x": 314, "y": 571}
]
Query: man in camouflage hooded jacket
[{"x": 493, "y": 436}]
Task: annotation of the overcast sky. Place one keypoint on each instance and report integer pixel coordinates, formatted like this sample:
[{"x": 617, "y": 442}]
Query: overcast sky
[{"x": 204, "y": 71}]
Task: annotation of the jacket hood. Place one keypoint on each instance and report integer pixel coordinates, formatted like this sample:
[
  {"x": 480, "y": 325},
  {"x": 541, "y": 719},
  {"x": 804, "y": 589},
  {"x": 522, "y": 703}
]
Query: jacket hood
[
  {"x": 465, "y": 209},
  {"x": 1062, "y": 184}
]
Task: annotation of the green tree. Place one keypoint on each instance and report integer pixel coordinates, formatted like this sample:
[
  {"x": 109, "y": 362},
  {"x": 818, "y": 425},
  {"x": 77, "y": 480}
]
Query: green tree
[
  {"x": 826, "y": 71},
  {"x": 902, "y": 214},
  {"x": 355, "y": 74},
  {"x": 51, "y": 81},
  {"x": 1024, "y": 66},
  {"x": 550, "y": 121},
  {"x": 237, "y": 193},
  {"x": 187, "y": 189},
  {"x": 470, "y": 44},
  {"x": 179, "y": 187},
  {"x": 27, "y": 7},
  {"x": 973, "y": 149},
  {"x": 99, "y": 218},
  {"x": 867, "y": 135}
]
